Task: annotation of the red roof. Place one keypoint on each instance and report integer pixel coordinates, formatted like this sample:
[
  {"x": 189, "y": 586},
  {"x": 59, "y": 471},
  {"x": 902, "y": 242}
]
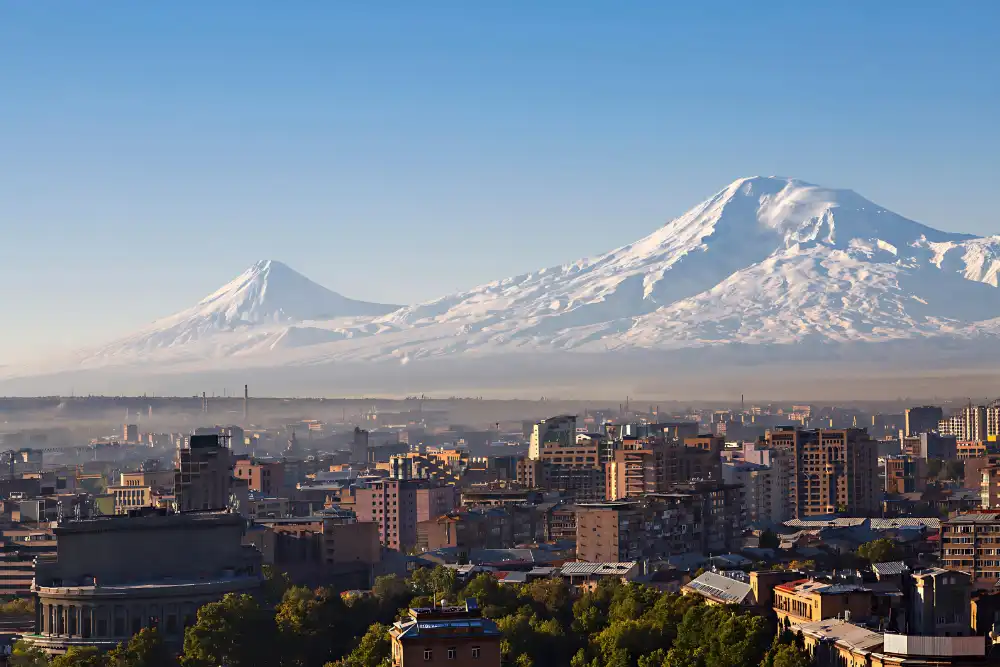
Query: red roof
[{"x": 790, "y": 586}]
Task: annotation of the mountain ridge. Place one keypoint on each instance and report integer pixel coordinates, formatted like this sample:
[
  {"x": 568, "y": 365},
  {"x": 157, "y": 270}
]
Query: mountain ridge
[{"x": 764, "y": 261}]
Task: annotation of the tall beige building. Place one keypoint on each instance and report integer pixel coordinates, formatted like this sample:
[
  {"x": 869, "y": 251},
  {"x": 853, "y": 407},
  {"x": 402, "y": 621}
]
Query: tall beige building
[{"x": 836, "y": 470}]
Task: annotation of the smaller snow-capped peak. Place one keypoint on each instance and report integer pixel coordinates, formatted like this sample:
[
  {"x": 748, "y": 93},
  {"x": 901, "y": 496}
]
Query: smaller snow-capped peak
[
  {"x": 270, "y": 291},
  {"x": 267, "y": 293}
]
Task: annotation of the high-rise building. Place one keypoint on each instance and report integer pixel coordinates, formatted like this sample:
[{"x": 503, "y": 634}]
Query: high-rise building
[
  {"x": 836, "y": 470},
  {"x": 702, "y": 517},
  {"x": 398, "y": 505},
  {"x": 968, "y": 424},
  {"x": 558, "y": 431},
  {"x": 130, "y": 433},
  {"x": 766, "y": 500},
  {"x": 655, "y": 464},
  {"x": 922, "y": 419},
  {"x": 203, "y": 474}
]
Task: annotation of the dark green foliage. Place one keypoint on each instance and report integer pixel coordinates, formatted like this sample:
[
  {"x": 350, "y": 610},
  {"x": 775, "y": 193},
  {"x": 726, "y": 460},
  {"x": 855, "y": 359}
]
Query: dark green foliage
[
  {"x": 543, "y": 623},
  {"x": 879, "y": 551},
  {"x": 145, "y": 649},
  {"x": 769, "y": 540}
]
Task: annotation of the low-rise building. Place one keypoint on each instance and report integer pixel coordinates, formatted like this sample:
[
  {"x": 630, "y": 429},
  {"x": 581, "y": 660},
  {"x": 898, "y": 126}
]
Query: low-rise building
[
  {"x": 808, "y": 600},
  {"x": 452, "y": 636},
  {"x": 970, "y": 543},
  {"x": 722, "y": 589}
]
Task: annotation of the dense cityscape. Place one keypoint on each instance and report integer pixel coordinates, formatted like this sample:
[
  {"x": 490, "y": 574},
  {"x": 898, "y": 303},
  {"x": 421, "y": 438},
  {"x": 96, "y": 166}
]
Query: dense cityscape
[{"x": 326, "y": 532}]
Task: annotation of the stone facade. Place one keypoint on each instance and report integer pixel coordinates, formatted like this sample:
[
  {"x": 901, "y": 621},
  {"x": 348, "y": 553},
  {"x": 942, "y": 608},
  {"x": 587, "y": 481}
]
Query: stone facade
[{"x": 115, "y": 575}]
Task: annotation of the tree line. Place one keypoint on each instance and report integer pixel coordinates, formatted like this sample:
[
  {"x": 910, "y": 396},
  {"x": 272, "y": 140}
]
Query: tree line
[{"x": 542, "y": 623}]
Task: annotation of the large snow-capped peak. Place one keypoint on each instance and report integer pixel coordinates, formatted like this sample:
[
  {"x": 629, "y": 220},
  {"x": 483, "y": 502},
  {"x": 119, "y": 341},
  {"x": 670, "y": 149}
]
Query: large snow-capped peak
[{"x": 738, "y": 227}]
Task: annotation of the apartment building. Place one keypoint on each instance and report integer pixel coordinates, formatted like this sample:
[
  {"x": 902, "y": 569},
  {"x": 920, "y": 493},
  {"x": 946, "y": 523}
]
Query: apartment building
[
  {"x": 922, "y": 419},
  {"x": 266, "y": 477},
  {"x": 835, "y": 470},
  {"x": 989, "y": 488},
  {"x": 970, "y": 543},
  {"x": 655, "y": 464},
  {"x": 969, "y": 423},
  {"x": 398, "y": 505},
  {"x": 702, "y": 517},
  {"x": 765, "y": 497}
]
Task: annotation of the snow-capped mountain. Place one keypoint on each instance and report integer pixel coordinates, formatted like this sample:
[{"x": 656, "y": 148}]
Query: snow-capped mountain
[
  {"x": 269, "y": 298},
  {"x": 763, "y": 261}
]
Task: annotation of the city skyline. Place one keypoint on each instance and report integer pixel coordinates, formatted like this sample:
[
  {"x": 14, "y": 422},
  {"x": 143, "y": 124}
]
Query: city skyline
[{"x": 362, "y": 146}]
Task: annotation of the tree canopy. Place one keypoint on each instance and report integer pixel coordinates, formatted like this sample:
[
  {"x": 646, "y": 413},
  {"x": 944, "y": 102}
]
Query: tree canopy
[{"x": 543, "y": 623}]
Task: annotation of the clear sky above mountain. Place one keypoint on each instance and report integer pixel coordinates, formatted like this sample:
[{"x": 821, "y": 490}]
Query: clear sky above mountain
[{"x": 398, "y": 151}]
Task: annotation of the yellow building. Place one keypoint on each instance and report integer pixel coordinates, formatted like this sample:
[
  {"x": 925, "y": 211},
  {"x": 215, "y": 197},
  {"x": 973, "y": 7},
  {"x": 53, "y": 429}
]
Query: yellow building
[{"x": 808, "y": 600}]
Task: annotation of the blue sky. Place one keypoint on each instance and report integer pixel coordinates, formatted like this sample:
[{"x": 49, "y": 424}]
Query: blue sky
[{"x": 398, "y": 151}]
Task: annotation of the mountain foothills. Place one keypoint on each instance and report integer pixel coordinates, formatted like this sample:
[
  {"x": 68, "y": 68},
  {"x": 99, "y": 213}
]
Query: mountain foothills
[{"x": 771, "y": 263}]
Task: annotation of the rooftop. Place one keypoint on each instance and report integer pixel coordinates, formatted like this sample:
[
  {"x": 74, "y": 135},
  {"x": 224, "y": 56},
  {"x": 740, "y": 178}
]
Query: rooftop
[
  {"x": 578, "y": 568},
  {"x": 889, "y": 568},
  {"x": 975, "y": 517},
  {"x": 720, "y": 588},
  {"x": 844, "y": 633}
]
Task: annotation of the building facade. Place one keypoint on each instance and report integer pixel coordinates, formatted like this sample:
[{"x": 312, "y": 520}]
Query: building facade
[
  {"x": 836, "y": 470},
  {"x": 922, "y": 419},
  {"x": 113, "y": 576},
  {"x": 558, "y": 431},
  {"x": 397, "y": 506},
  {"x": 704, "y": 518},
  {"x": 203, "y": 474},
  {"x": 451, "y": 636},
  {"x": 970, "y": 543}
]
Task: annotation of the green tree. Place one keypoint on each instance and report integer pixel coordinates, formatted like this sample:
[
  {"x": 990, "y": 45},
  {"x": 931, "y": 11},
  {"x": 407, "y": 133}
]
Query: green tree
[
  {"x": 879, "y": 551},
  {"x": 27, "y": 655},
  {"x": 235, "y": 632},
  {"x": 769, "y": 540},
  {"x": 275, "y": 584},
  {"x": 18, "y": 607},
  {"x": 79, "y": 656},
  {"x": 372, "y": 651},
  {"x": 145, "y": 649},
  {"x": 314, "y": 627},
  {"x": 790, "y": 655},
  {"x": 437, "y": 583}
]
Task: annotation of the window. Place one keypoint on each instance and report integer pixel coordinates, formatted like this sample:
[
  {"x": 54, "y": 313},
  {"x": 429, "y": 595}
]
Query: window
[
  {"x": 428, "y": 654},
  {"x": 475, "y": 652},
  {"x": 451, "y": 653}
]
